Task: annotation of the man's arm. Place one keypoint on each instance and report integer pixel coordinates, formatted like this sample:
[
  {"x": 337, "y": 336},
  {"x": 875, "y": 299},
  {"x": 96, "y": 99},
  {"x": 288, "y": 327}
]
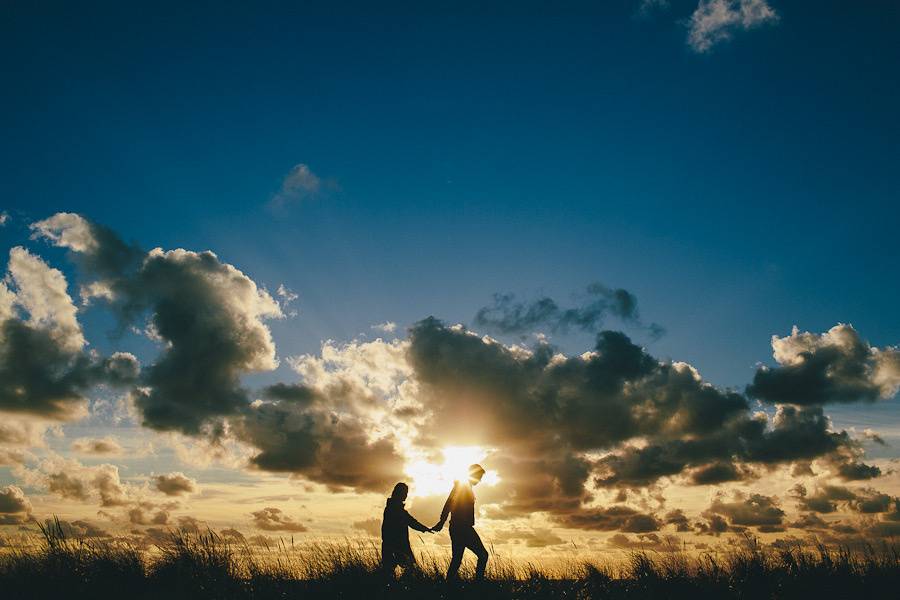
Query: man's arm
[{"x": 446, "y": 511}]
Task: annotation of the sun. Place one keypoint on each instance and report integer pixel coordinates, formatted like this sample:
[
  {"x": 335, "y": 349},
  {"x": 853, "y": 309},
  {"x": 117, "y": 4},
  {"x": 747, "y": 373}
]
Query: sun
[{"x": 428, "y": 478}]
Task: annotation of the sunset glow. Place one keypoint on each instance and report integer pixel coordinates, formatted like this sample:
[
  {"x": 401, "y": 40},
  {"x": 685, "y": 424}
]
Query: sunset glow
[{"x": 430, "y": 478}]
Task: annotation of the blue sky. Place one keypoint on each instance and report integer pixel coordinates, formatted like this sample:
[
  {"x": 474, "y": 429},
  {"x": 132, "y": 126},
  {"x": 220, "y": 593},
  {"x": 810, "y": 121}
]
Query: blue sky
[
  {"x": 478, "y": 150},
  {"x": 459, "y": 150}
]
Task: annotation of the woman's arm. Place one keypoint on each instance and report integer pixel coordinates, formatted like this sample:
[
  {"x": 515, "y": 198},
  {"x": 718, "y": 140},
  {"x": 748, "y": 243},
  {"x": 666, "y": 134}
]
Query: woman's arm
[{"x": 411, "y": 522}]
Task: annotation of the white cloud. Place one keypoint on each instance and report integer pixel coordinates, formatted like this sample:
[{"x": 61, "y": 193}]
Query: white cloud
[
  {"x": 42, "y": 291},
  {"x": 68, "y": 230},
  {"x": 301, "y": 183},
  {"x": 4, "y": 217},
  {"x": 715, "y": 21},
  {"x": 287, "y": 296},
  {"x": 387, "y": 327}
]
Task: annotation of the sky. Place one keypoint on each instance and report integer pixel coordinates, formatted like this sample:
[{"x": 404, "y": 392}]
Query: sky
[{"x": 426, "y": 226}]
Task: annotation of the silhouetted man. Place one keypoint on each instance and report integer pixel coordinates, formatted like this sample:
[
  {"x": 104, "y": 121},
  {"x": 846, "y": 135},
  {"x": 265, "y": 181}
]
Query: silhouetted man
[
  {"x": 395, "y": 549},
  {"x": 460, "y": 506}
]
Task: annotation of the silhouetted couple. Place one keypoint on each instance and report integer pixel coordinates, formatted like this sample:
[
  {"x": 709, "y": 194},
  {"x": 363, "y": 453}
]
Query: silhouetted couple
[{"x": 460, "y": 506}]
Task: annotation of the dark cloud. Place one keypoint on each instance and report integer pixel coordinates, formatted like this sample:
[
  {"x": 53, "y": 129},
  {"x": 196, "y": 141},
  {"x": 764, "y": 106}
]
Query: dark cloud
[
  {"x": 795, "y": 434},
  {"x": 13, "y": 502},
  {"x": 508, "y": 315},
  {"x": 718, "y": 472},
  {"x": 44, "y": 369},
  {"x": 301, "y": 434},
  {"x": 208, "y": 314},
  {"x": 752, "y": 511},
  {"x": 546, "y": 411},
  {"x": 831, "y": 498},
  {"x": 175, "y": 484},
  {"x": 614, "y": 417},
  {"x": 273, "y": 519},
  {"x": 613, "y": 518},
  {"x": 538, "y": 537},
  {"x": 678, "y": 519},
  {"x": 837, "y": 366},
  {"x": 646, "y": 542}
]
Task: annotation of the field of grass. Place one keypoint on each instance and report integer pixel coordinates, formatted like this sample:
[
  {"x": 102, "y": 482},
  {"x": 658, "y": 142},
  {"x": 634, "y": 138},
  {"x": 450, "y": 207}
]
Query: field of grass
[{"x": 204, "y": 566}]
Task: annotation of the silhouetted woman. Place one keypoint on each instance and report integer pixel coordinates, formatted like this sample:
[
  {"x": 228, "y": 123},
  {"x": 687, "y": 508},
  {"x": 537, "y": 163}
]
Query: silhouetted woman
[
  {"x": 460, "y": 506},
  {"x": 395, "y": 548}
]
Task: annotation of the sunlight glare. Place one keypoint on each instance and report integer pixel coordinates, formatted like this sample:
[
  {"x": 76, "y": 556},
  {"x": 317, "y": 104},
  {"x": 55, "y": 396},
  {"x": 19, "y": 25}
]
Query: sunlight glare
[{"x": 427, "y": 479}]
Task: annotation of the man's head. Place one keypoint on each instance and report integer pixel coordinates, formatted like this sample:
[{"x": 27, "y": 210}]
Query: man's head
[
  {"x": 401, "y": 490},
  {"x": 476, "y": 472}
]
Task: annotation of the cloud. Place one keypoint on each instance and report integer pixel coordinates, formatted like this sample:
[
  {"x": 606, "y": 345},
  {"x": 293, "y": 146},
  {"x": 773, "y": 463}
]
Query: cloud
[
  {"x": 4, "y": 217},
  {"x": 718, "y": 472},
  {"x": 15, "y": 507},
  {"x": 175, "y": 484},
  {"x": 97, "y": 446},
  {"x": 68, "y": 478},
  {"x": 837, "y": 366},
  {"x": 755, "y": 510},
  {"x": 43, "y": 369},
  {"x": 678, "y": 519},
  {"x": 548, "y": 414},
  {"x": 21, "y": 430},
  {"x": 563, "y": 429},
  {"x": 715, "y": 21},
  {"x": 273, "y": 519},
  {"x": 646, "y": 542},
  {"x": 209, "y": 315},
  {"x": 300, "y": 433},
  {"x": 288, "y": 297},
  {"x": 298, "y": 185},
  {"x": 612, "y": 518},
  {"x": 873, "y": 437},
  {"x": 78, "y": 529},
  {"x": 507, "y": 315},
  {"x": 371, "y": 527},
  {"x": 538, "y": 537},
  {"x": 233, "y": 536},
  {"x": 144, "y": 515},
  {"x": 42, "y": 292},
  {"x": 67, "y": 486},
  {"x": 830, "y": 498},
  {"x": 386, "y": 327}
]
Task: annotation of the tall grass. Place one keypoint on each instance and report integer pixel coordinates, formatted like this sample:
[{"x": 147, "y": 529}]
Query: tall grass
[{"x": 200, "y": 566}]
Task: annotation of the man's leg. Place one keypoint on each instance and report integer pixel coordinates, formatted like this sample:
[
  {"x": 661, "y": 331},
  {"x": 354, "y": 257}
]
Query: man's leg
[
  {"x": 475, "y": 545},
  {"x": 457, "y": 547}
]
